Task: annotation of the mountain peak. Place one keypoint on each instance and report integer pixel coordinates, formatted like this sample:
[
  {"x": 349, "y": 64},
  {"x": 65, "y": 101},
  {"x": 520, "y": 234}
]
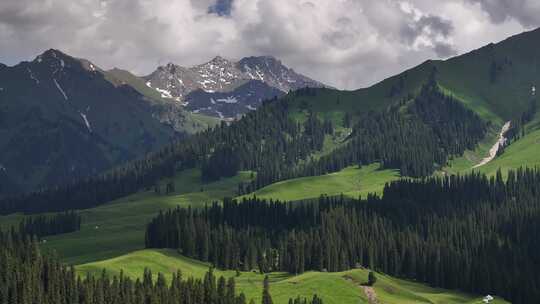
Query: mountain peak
[
  {"x": 222, "y": 80},
  {"x": 52, "y": 55},
  {"x": 218, "y": 60},
  {"x": 262, "y": 58},
  {"x": 260, "y": 61},
  {"x": 170, "y": 67}
]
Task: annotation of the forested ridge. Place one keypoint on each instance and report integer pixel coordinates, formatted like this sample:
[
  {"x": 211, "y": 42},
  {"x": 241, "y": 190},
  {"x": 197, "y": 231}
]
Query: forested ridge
[
  {"x": 461, "y": 232},
  {"x": 28, "y": 276},
  {"x": 415, "y": 136}
]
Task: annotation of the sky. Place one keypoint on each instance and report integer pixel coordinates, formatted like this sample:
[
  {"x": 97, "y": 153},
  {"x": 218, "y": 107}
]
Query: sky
[{"x": 347, "y": 44}]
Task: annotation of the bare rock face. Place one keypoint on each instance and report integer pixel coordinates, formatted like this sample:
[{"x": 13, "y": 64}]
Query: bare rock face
[{"x": 224, "y": 88}]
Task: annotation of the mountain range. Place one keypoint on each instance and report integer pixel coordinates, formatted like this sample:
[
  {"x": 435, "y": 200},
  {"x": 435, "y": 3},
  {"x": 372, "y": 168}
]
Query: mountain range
[
  {"x": 64, "y": 118},
  {"x": 225, "y": 88}
]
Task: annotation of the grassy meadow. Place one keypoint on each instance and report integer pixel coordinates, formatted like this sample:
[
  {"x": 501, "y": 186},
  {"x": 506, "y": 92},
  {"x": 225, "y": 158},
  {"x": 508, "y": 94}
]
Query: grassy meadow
[
  {"x": 333, "y": 288},
  {"x": 351, "y": 181}
]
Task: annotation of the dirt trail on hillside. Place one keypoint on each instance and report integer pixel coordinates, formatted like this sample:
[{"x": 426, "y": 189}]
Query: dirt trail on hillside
[
  {"x": 495, "y": 148},
  {"x": 370, "y": 294},
  {"x": 368, "y": 290}
]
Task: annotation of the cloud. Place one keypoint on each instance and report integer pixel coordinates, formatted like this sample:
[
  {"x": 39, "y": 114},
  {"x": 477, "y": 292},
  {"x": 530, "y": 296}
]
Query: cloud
[
  {"x": 345, "y": 43},
  {"x": 526, "y": 12}
]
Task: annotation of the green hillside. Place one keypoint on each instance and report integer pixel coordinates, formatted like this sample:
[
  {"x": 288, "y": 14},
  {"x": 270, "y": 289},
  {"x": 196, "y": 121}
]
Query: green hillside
[
  {"x": 118, "y": 227},
  {"x": 498, "y": 76},
  {"x": 522, "y": 153},
  {"x": 121, "y": 77},
  {"x": 334, "y": 288},
  {"x": 351, "y": 181},
  {"x": 495, "y": 81}
]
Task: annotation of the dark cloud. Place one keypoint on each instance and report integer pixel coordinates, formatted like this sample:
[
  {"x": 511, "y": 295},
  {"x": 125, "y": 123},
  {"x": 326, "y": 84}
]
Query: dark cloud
[
  {"x": 346, "y": 43},
  {"x": 435, "y": 30},
  {"x": 526, "y": 12},
  {"x": 445, "y": 50},
  {"x": 436, "y": 24}
]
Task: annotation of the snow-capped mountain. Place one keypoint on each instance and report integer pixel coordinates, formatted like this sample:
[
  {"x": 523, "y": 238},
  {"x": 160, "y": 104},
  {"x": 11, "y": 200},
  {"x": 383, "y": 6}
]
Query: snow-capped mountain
[
  {"x": 223, "y": 78},
  {"x": 272, "y": 72}
]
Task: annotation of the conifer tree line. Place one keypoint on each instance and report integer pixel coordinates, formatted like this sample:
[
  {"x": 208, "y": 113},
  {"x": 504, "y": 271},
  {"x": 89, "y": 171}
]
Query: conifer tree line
[
  {"x": 27, "y": 276},
  {"x": 43, "y": 225},
  {"x": 461, "y": 232},
  {"x": 414, "y": 136},
  {"x": 266, "y": 138}
]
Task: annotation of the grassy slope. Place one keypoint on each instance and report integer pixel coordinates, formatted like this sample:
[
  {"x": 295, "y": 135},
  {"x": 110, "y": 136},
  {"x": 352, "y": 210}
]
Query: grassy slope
[
  {"x": 193, "y": 123},
  {"x": 121, "y": 224},
  {"x": 509, "y": 95},
  {"x": 350, "y": 181},
  {"x": 118, "y": 227},
  {"x": 522, "y": 153},
  {"x": 334, "y": 288},
  {"x": 333, "y": 104},
  {"x": 466, "y": 77},
  {"x": 464, "y": 163}
]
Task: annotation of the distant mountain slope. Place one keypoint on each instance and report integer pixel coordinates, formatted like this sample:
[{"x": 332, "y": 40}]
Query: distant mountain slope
[
  {"x": 247, "y": 97},
  {"x": 62, "y": 119},
  {"x": 166, "y": 112},
  {"x": 179, "y": 84}
]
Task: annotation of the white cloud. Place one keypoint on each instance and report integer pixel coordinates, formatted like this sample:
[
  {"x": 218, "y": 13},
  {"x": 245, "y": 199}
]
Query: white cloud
[{"x": 345, "y": 43}]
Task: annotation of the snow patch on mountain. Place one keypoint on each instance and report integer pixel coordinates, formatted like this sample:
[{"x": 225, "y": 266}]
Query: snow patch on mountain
[
  {"x": 229, "y": 99},
  {"x": 86, "y": 122},
  {"x": 220, "y": 115},
  {"x": 164, "y": 93},
  {"x": 60, "y": 89},
  {"x": 32, "y": 75}
]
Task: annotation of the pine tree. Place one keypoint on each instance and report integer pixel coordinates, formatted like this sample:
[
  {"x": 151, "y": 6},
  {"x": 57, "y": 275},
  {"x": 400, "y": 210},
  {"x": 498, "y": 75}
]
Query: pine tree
[
  {"x": 372, "y": 279},
  {"x": 266, "y": 297}
]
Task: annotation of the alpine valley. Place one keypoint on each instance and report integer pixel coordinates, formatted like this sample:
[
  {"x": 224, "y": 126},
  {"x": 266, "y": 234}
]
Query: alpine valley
[{"x": 237, "y": 182}]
